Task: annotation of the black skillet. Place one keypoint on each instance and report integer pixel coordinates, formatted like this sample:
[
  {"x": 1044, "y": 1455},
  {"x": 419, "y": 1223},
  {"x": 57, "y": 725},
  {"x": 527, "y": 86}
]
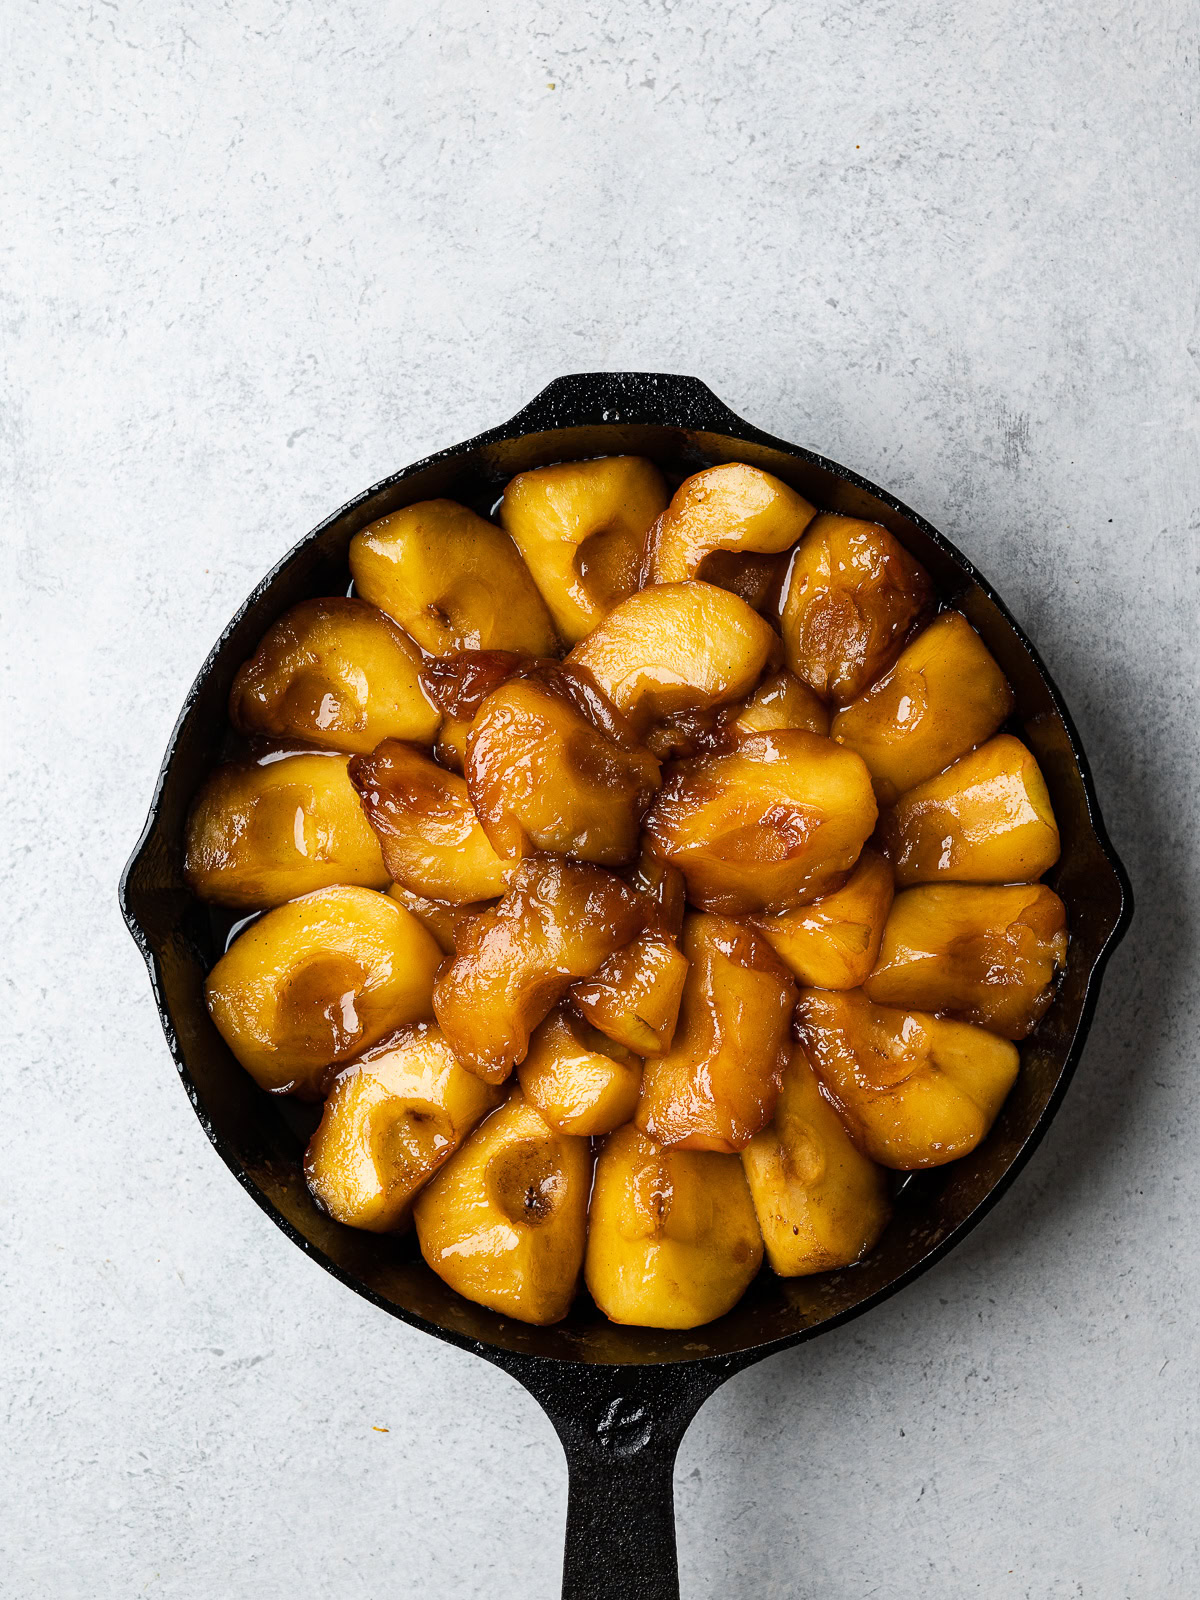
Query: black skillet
[{"x": 619, "y": 1398}]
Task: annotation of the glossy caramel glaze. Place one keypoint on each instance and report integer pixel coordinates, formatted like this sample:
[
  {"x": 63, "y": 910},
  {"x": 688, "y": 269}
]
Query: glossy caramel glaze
[
  {"x": 337, "y": 673},
  {"x": 634, "y": 997},
  {"x": 716, "y": 1087},
  {"x": 578, "y": 1080}
]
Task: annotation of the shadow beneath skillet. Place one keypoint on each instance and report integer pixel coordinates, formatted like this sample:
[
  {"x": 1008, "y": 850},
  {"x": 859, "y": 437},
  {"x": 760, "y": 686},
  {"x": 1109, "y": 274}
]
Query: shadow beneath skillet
[{"x": 1127, "y": 1057}]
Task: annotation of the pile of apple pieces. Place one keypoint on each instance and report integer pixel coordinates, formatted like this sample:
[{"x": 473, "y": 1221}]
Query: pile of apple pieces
[{"x": 619, "y": 765}]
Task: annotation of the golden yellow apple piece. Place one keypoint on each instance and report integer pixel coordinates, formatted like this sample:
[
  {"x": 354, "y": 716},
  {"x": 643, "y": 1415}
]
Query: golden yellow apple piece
[
  {"x": 336, "y": 673},
  {"x": 392, "y": 1118},
  {"x": 913, "y": 1090},
  {"x": 833, "y": 942},
  {"x": 579, "y": 1081},
  {"x": 733, "y": 507},
  {"x": 780, "y": 701},
  {"x": 716, "y": 1086},
  {"x": 986, "y": 819},
  {"x": 451, "y": 580},
  {"x": 944, "y": 695},
  {"x": 820, "y": 1202},
  {"x": 986, "y": 954},
  {"x": 778, "y": 821},
  {"x": 852, "y": 593},
  {"x": 262, "y": 833},
  {"x": 440, "y": 918},
  {"x": 560, "y": 920},
  {"x": 581, "y": 526},
  {"x": 677, "y": 647},
  {"x": 505, "y": 1220},
  {"x": 316, "y": 981},
  {"x": 542, "y": 776},
  {"x": 672, "y": 1237},
  {"x": 634, "y": 997},
  {"x": 432, "y": 841}
]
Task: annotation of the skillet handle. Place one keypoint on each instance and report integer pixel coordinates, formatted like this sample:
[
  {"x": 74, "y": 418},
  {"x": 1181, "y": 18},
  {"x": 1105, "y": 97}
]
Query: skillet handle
[
  {"x": 668, "y": 399},
  {"x": 620, "y": 1428}
]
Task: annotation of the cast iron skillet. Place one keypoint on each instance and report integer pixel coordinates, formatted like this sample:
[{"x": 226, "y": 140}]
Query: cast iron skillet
[{"x": 619, "y": 1398}]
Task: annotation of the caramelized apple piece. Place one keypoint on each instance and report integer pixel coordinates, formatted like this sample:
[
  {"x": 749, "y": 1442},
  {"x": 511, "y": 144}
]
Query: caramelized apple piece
[
  {"x": 336, "y": 673},
  {"x": 780, "y": 701},
  {"x": 663, "y": 885},
  {"x": 986, "y": 819},
  {"x": 581, "y": 526},
  {"x": 820, "y": 1202},
  {"x": 391, "y": 1120},
  {"x": 833, "y": 942},
  {"x": 451, "y": 580},
  {"x": 440, "y": 919},
  {"x": 432, "y": 841},
  {"x": 852, "y": 594},
  {"x": 988, "y": 955},
  {"x": 731, "y": 507},
  {"x": 458, "y": 684},
  {"x": 505, "y": 1221},
  {"x": 944, "y": 695},
  {"x": 560, "y": 920},
  {"x": 316, "y": 981},
  {"x": 779, "y": 821},
  {"x": 717, "y": 1085},
  {"x": 259, "y": 834},
  {"x": 577, "y": 1080},
  {"x": 543, "y": 776},
  {"x": 634, "y": 997},
  {"x": 677, "y": 647},
  {"x": 672, "y": 1238},
  {"x": 913, "y": 1090}
]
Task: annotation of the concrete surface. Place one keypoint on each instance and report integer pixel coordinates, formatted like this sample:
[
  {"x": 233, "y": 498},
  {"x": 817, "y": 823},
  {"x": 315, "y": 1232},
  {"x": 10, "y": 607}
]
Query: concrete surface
[{"x": 256, "y": 256}]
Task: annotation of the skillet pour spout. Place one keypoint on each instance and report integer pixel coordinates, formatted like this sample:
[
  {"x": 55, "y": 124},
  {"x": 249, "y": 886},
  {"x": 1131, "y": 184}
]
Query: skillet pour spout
[{"x": 620, "y": 1398}]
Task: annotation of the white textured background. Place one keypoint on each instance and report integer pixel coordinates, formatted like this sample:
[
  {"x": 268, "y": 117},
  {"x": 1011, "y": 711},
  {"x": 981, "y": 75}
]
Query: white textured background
[{"x": 257, "y": 255}]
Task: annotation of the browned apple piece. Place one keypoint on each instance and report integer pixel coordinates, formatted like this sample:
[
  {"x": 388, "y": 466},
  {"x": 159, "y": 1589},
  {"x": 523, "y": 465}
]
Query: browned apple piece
[
  {"x": 672, "y": 1237},
  {"x": 458, "y": 684},
  {"x": 560, "y": 920},
  {"x": 314, "y": 982},
  {"x": 634, "y": 997},
  {"x": 987, "y": 955},
  {"x": 441, "y": 919},
  {"x": 833, "y": 942},
  {"x": 716, "y": 1086},
  {"x": 778, "y": 821},
  {"x": 391, "y": 1120},
  {"x": 542, "y": 776},
  {"x": 579, "y": 1081},
  {"x": 913, "y": 1090},
  {"x": 986, "y": 819},
  {"x": 337, "y": 673},
  {"x": 505, "y": 1220},
  {"x": 581, "y": 526},
  {"x": 780, "y": 701},
  {"x": 853, "y": 592},
  {"x": 821, "y": 1203},
  {"x": 677, "y": 647},
  {"x": 732, "y": 507},
  {"x": 451, "y": 580},
  {"x": 262, "y": 833},
  {"x": 431, "y": 838},
  {"x": 663, "y": 885},
  {"x": 944, "y": 695}
]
